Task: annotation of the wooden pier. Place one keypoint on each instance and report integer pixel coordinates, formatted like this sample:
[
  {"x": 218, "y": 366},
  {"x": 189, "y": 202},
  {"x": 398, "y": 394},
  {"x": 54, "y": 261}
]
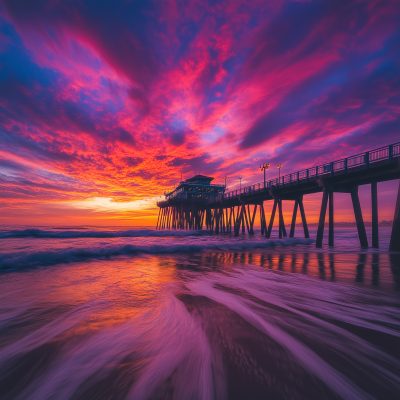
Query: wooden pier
[{"x": 235, "y": 211}]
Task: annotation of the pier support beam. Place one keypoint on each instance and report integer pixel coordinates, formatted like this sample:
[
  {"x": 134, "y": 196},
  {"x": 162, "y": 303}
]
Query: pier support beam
[
  {"x": 303, "y": 218},
  {"x": 262, "y": 220},
  {"x": 251, "y": 219},
  {"x": 243, "y": 213},
  {"x": 374, "y": 204},
  {"x": 163, "y": 218},
  {"x": 246, "y": 219},
  {"x": 158, "y": 219},
  {"x": 395, "y": 238},
  {"x": 293, "y": 226},
  {"x": 239, "y": 220},
  {"x": 216, "y": 216},
  {"x": 167, "y": 217},
  {"x": 321, "y": 223},
  {"x": 331, "y": 228},
  {"x": 282, "y": 229},
  {"x": 298, "y": 204},
  {"x": 271, "y": 221},
  {"x": 359, "y": 219}
]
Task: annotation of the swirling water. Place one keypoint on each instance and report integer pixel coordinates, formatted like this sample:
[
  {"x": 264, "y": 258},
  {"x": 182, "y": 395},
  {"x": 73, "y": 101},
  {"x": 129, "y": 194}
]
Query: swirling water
[{"x": 138, "y": 314}]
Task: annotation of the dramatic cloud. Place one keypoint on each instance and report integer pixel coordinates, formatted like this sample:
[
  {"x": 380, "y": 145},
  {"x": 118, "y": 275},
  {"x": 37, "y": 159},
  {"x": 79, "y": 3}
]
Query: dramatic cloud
[{"x": 115, "y": 101}]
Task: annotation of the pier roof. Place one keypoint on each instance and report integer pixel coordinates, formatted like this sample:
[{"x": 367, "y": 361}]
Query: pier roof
[{"x": 197, "y": 178}]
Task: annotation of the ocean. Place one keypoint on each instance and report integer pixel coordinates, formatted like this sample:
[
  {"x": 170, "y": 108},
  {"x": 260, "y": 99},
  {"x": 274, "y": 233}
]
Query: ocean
[{"x": 123, "y": 313}]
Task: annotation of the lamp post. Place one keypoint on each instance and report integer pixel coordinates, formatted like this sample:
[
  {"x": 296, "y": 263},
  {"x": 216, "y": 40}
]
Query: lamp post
[
  {"x": 279, "y": 167},
  {"x": 264, "y": 167},
  {"x": 225, "y": 180},
  {"x": 240, "y": 179}
]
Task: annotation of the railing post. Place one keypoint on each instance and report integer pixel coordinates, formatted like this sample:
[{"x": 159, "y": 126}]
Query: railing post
[
  {"x": 290, "y": 180},
  {"x": 316, "y": 172},
  {"x": 331, "y": 168},
  {"x": 307, "y": 175},
  {"x": 298, "y": 178},
  {"x": 366, "y": 159},
  {"x": 390, "y": 153},
  {"x": 345, "y": 165}
]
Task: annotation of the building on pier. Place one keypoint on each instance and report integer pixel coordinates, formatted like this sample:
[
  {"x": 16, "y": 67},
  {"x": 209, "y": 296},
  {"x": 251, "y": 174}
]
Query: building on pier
[
  {"x": 184, "y": 207},
  {"x": 199, "y": 187}
]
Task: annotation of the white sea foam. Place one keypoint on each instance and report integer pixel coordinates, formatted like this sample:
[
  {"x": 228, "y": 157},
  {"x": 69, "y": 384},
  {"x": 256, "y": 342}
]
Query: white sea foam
[
  {"x": 54, "y": 234},
  {"x": 29, "y": 259}
]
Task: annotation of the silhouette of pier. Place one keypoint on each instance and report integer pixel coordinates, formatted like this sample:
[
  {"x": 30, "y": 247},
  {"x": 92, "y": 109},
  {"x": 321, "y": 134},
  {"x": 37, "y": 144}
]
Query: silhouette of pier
[{"x": 235, "y": 211}]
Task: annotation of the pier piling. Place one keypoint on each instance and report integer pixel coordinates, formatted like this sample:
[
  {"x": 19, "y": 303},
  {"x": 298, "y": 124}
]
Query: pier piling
[
  {"x": 395, "y": 238},
  {"x": 362, "y": 234},
  {"x": 331, "y": 222},
  {"x": 374, "y": 204},
  {"x": 321, "y": 223},
  {"x": 293, "y": 226}
]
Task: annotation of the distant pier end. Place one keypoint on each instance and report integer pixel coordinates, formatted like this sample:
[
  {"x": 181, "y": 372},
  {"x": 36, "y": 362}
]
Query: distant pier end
[{"x": 185, "y": 206}]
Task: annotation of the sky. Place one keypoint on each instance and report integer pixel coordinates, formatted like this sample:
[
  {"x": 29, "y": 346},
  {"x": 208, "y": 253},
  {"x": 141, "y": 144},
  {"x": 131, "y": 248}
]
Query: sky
[{"x": 104, "y": 105}]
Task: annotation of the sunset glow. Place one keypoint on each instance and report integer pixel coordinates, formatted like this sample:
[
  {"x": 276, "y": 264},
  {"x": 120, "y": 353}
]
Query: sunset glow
[{"x": 103, "y": 108}]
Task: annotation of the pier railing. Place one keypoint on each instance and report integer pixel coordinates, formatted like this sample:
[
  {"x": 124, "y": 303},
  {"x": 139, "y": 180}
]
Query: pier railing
[{"x": 363, "y": 159}]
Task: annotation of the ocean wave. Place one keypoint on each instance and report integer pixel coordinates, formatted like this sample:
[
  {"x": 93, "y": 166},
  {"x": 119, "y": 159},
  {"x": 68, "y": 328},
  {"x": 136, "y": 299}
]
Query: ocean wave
[
  {"x": 20, "y": 260},
  {"x": 38, "y": 233}
]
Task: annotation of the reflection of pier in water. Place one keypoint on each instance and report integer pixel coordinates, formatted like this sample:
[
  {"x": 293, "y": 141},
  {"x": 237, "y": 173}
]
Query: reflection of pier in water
[
  {"x": 370, "y": 269},
  {"x": 220, "y": 211}
]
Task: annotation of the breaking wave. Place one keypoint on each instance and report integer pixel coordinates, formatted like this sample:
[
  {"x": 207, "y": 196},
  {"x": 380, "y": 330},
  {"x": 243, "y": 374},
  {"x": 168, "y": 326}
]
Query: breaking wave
[
  {"x": 19, "y": 260},
  {"x": 38, "y": 233}
]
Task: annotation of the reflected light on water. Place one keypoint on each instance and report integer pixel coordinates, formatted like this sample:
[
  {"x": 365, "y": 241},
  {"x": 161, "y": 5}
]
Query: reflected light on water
[{"x": 214, "y": 324}]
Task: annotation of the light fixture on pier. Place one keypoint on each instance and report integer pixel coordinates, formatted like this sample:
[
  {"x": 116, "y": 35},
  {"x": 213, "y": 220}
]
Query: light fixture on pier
[
  {"x": 279, "y": 167},
  {"x": 263, "y": 167},
  {"x": 225, "y": 178},
  {"x": 240, "y": 178}
]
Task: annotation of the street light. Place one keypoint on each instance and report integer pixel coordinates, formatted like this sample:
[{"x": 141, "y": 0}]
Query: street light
[
  {"x": 240, "y": 178},
  {"x": 264, "y": 167},
  {"x": 279, "y": 167},
  {"x": 225, "y": 180}
]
